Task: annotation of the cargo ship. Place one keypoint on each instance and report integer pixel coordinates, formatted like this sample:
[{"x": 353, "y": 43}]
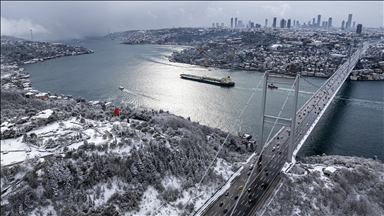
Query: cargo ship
[{"x": 226, "y": 81}]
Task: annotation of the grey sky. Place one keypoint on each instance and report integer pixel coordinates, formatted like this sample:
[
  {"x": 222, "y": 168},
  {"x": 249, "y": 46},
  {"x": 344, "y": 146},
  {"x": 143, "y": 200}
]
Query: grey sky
[{"x": 62, "y": 20}]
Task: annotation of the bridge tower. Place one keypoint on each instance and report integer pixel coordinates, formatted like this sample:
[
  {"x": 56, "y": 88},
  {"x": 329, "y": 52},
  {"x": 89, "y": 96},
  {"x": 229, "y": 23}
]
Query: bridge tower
[
  {"x": 278, "y": 79},
  {"x": 31, "y": 34}
]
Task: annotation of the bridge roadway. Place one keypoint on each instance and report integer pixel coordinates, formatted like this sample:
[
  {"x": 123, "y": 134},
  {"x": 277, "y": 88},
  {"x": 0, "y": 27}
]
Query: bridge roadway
[{"x": 274, "y": 154}]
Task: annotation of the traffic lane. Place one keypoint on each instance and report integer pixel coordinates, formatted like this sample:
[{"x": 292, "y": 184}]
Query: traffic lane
[
  {"x": 253, "y": 205},
  {"x": 266, "y": 179},
  {"x": 263, "y": 177},
  {"x": 234, "y": 189},
  {"x": 233, "y": 192}
]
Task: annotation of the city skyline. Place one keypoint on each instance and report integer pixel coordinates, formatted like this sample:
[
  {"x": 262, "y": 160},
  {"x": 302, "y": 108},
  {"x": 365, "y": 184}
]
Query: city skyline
[{"x": 59, "y": 20}]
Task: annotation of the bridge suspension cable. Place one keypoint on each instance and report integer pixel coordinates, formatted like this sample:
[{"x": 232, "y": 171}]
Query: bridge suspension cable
[
  {"x": 225, "y": 140},
  {"x": 312, "y": 84},
  {"x": 262, "y": 150}
]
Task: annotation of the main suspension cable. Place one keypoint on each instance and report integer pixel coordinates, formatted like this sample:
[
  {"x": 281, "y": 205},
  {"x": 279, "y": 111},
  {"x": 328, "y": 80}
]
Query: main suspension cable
[
  {"x": 262, "y": 150},
  {"x": 225, "y": 140}
]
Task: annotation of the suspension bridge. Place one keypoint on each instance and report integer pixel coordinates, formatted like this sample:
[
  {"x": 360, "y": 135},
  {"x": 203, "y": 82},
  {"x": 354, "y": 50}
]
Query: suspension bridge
[{"x": 248, "y": 191}]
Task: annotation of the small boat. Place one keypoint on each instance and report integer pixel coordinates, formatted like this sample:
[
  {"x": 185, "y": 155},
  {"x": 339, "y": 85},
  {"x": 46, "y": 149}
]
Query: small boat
[
  {"x": 121, "y": 87},
  {"x": 271, "y": 86}
]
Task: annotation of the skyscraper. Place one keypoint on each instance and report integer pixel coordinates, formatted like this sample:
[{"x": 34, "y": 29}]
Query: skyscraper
[
  {"x": 289, "y": 23},
  {"x": 240, "y": 24},
  {"x": 354, "y": 22},
  {"x": 232, "y": 22},
  {"x": 266, "y": 22},
  {"x": 274, "y": 22},
  {"x": 294, "y": 23},
  {"x": 314, "y": 22},
  {"x": 330, "y": 22},
  {"x": 342, "y": 25},
  {"x": 318, "y": 20},
  {"x": 349, "y": 22},
  {"x": 236, "y": 22},
  {"x": 213, "y": 25},
  {"x": 283, "y": 23},
  {"x": 359, "y": 28}
]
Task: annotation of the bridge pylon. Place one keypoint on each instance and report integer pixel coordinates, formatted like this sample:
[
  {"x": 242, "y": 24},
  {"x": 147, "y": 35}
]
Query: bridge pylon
[{"x": 291, "y": 123}]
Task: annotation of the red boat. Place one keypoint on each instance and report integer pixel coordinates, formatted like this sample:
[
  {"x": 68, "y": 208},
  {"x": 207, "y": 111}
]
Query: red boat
[{"x": 271, "y": 86}]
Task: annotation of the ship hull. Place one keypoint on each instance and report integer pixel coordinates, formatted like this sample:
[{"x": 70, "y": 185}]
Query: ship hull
[{"x": 208, "y": 80}]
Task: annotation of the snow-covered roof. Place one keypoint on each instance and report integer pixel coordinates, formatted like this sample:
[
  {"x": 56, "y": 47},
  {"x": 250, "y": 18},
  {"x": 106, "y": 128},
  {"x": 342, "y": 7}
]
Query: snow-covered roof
[
  {"x": 3, "y": 129},
  {"x": 330, "y": 170},
  {"x": 41, "y": 94},
  {"x": 274, "y": 46},
  {"x": 44, "y": 114}
]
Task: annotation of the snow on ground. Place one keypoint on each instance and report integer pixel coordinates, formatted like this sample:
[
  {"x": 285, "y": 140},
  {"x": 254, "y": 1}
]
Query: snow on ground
[
  {"x": 222, "y": 167},
  {"x": 149, "y": 203},
  {"x": 14, "y": 150},
  {"x": 171, "y": 181},
  {"x": 13, "y": 145},
  {"x": 17, "y": 157},
  {"x": 44, "y": 114},
  {"x": 46, "y": 210}
]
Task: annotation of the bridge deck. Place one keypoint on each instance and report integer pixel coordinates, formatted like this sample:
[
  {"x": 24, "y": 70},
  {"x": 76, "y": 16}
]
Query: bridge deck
[{"x": 274, "y": 155}]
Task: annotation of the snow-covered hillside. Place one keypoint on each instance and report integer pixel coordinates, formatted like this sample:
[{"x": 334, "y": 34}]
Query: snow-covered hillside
[{"x": 355, "y": 188}]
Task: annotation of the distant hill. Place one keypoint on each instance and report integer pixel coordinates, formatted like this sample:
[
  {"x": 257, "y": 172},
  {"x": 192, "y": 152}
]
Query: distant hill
[{"x": 11, "y": 38}]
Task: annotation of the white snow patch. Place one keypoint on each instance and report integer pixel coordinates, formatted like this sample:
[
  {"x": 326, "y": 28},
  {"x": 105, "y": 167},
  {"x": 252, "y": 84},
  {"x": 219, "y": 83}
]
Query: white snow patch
[{"x": 149, "y": 203}]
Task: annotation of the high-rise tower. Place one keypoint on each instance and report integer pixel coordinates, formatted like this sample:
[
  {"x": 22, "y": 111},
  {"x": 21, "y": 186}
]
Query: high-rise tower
[
  {"x": 330, "y": 22},
  {"x": 266, "y": 22},
  {"x": 274, "y": 22},
  {"x": 289, "y": 23},
  {"x": 349, "y": 22},
  {"x": 314, "y": 22},
  {"x": 283, "y": 23},
  {"x": 318, "y": 20},
  {"x": 342, "y": 25},
  {"x": 359, "y": 28},
  {"x": 236, "y": 22},
  {"x": 232, "y": 22}
]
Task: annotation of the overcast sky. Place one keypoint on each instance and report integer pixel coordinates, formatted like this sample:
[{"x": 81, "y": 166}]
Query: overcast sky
[{"x": 63, "y": 20}]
